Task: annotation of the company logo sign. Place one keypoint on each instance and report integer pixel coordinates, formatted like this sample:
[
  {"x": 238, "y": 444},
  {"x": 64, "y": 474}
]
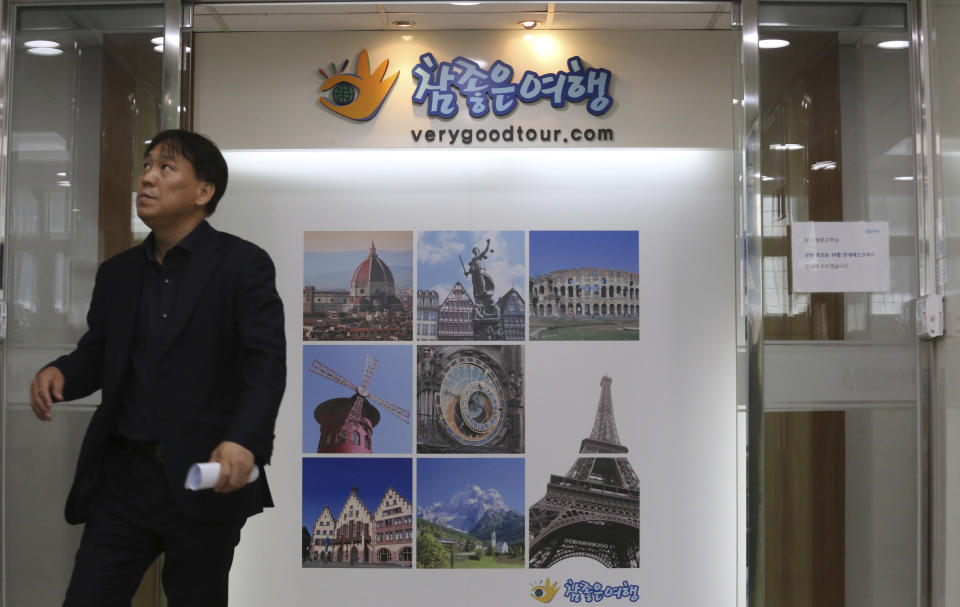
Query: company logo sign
[
  {"x": 585, "y": 592},
  {"x": 357, "y": 96},
  {"x": 440, "y": 84},
  {"x": 544, "y": 591}
]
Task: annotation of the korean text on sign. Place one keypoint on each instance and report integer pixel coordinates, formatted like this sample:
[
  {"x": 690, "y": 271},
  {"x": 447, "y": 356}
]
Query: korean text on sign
[{"x": 440, "y": 84}]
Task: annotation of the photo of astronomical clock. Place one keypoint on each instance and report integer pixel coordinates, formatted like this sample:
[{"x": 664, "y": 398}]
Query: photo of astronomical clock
[{"x": 470, "y": 399}]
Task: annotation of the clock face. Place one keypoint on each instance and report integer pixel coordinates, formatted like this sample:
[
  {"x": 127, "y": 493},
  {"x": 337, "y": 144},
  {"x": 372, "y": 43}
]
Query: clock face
[{"x": 470, "y": 402}]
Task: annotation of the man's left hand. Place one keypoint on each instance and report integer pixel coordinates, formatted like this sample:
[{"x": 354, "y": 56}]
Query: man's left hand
[{"x": 236, "y": 462}]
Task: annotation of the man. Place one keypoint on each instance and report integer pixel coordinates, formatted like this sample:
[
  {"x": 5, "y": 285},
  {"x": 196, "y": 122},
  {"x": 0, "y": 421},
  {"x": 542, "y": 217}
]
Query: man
[{"x": 186, "y": 342}]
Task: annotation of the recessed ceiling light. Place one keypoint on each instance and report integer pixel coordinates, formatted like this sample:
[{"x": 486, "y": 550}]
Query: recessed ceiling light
[
  {"x": 157, "y": 40},
  {"x": 41, "y": 44},
  {"x": 528, "y": 24},
  {"x": 45, "y": 51},
  {"x": 785, "y": 146},
  {"x": 904, "y": 178},
  {"x": 894, "y": 44},
  {"x": 404, "y": 23},
  {"x": 773, "y": 43}
]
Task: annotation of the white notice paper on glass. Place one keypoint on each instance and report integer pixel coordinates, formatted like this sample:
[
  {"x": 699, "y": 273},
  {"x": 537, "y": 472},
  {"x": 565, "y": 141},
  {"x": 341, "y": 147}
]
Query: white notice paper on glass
[{"x": 841, "y": 256}]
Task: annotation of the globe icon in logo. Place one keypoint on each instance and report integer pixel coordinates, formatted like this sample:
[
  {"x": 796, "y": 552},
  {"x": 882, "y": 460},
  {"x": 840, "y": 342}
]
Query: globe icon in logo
[{"x": 343, "y": 93}]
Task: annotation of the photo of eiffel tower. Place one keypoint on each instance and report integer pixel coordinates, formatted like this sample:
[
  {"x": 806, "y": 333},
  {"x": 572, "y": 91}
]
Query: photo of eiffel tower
[{"x": 594, "y": 510}]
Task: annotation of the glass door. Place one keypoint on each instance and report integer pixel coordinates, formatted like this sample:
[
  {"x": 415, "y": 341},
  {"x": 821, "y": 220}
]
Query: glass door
[
  {"x": 86, "y": 89},
  {"x": 842, "y": 413}
]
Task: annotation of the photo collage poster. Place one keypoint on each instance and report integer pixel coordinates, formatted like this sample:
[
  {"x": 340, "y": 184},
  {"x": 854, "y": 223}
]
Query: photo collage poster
[{"x": 416, "y": 364}]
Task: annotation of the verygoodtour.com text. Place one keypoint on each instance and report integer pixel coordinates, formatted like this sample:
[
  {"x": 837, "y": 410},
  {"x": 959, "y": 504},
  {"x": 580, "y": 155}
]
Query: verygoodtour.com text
[{"x": 511, "y": 134}]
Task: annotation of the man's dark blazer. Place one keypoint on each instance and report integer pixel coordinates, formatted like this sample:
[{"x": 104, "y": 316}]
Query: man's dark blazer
[{"x": 220, "y": 377}]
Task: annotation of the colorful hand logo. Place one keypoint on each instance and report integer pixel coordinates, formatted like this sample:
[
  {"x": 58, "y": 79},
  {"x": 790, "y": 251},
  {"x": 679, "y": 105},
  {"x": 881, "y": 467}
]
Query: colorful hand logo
[
  {"x": 545, "y": 591},
  {"x": 371, "y": 90}
]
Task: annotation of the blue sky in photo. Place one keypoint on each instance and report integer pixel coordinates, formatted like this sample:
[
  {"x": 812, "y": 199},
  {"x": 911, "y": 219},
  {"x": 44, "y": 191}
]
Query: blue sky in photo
[
  {"x": 392, "y": 381},
  {"x": 561, "y": 250},
  {"x": 327, "y": 481},
  {"x": 331, "y": 257},
  {"x": 439, "y": 478},
  {"x": 438, "y": 265}
]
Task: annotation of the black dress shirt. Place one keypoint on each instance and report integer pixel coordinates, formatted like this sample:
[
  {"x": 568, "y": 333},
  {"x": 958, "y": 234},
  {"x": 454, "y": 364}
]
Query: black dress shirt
[{"x": 158, "y": 291}]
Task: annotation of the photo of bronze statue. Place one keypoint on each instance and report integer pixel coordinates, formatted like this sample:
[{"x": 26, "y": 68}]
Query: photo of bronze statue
[{"x": 481, "y": 299}]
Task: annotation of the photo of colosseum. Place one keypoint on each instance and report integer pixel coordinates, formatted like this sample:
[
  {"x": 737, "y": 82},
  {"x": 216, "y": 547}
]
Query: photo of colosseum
[{"x": 584, "y": 285}]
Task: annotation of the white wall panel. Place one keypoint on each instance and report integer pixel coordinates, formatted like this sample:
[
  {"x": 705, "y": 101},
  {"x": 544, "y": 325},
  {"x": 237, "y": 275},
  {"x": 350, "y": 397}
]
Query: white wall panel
[{"x": 670, "y": 178}]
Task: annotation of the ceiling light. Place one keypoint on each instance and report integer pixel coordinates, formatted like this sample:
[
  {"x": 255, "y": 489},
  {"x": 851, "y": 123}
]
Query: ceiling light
[
  {"x": 404, "y": 23},
  {"x": 41, "y": 44},
  {"x": 894, "y": 44},
  {"x": 785, "y": 146},
  {"x": 45, "y": 51},
  {"x": 823, "y": 165},
  {"x": 159, "y": 48},
  {"x": 62, "y": 174},
  {"x": 63, "y": 184},
  {"x": 904, "y": 178},
  {"x": 157, "y": 40},
  {"x": 773, "y": 43},
  {"x": 766, "y": 178},
  {"x": 528, "y": 24},
  {"x": 464, "y": 3}
]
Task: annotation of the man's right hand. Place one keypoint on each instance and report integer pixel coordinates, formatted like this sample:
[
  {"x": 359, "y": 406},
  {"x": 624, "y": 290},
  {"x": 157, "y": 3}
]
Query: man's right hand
[{"x": 46, "y": 389}]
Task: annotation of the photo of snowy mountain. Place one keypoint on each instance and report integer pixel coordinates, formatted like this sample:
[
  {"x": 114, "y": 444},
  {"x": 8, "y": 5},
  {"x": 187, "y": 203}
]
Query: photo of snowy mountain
[
  {"x": 465, "y": 509},
  {"x": 475, "y": 514}
]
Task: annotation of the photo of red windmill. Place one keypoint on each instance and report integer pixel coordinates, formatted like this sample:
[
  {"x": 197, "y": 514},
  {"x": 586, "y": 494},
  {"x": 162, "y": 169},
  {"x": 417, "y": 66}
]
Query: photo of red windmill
[{"x": 346, "y": 424}]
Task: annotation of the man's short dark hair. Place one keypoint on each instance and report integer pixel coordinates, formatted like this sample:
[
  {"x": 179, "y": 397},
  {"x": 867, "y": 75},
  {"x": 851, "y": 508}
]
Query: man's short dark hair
[{"x": 203, "y": 154}]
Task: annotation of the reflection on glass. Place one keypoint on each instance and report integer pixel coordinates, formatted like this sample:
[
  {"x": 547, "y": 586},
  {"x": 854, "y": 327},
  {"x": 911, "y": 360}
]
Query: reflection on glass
[
  {"x": 836, "y": 146},
  {"x": 79, "y": 120},
  {"x": 86, "y": 90},
  {"x": 840, "y": 446}
]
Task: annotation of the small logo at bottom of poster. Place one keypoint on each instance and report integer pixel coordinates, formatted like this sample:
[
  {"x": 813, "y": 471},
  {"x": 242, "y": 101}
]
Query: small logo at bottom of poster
[
  {"x": 544, "y": 591},
  {"x": 586, "y": 592}
]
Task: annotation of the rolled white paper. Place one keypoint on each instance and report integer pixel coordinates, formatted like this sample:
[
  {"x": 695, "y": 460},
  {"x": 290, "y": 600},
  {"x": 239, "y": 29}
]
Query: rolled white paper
[{"x": 205, "y": 476}]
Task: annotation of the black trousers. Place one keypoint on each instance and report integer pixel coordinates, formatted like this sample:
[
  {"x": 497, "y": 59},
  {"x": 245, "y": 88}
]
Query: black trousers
[{"x": 134, "y": 521}]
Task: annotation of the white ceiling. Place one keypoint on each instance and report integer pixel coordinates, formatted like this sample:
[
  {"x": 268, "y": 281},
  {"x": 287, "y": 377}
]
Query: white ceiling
[{"x": 235, "y": 16}]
